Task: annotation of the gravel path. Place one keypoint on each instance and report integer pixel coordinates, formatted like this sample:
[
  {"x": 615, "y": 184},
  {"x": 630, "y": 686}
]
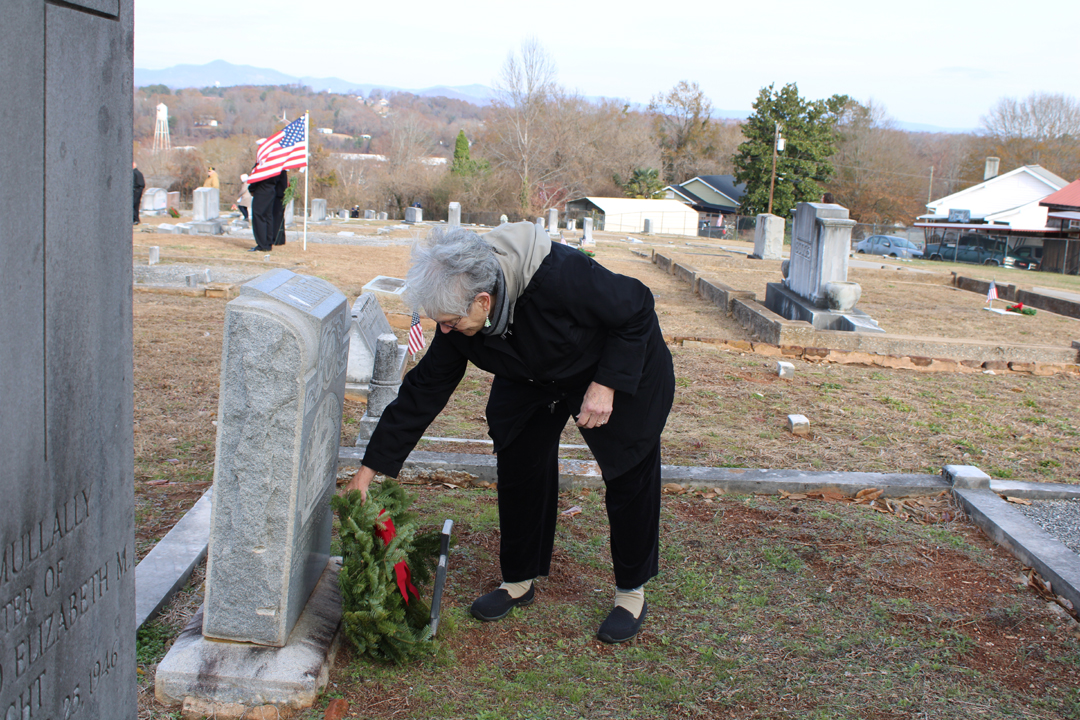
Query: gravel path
[{"x": 1060, "y": 518}]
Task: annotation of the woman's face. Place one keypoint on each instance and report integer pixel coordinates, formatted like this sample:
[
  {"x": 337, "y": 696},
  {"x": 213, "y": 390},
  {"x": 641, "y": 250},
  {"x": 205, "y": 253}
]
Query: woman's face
[{"x": 471, "y": 322}]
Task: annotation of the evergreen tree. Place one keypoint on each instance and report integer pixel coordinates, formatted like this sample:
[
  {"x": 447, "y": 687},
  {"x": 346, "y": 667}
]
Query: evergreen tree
[
  {"x": 462, "y": 164},
  {"x": 644, "y": 183},
  {"x": 809, "y": 131}
]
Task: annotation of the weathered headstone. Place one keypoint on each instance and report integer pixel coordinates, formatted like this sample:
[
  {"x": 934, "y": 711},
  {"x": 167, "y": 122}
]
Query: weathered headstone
[
  {"x": 343, "y": 214},
  {"x": 172, "y": 201},
  {"x": 587, "y": 237},
  {"x": 798, "y": 424},
  {"x": 67, "y": 546},
  {"x": 785, "y": 370},
  {"x": 385, "y": 216},
  {"x": 413, "y": 215},
  {"x": 385, "y": 382},
  {"x": 503, "y": 219},
  {"x": 368, "y": 323},
  {"x": 540, "y": 222},
  {"x": 820, "y": 245},
  {"x": 648, "y": 226},
  {"x": 769, "y": 237},
  {"x": 571, "y": 224},
  {"x": 453, "y": 217},
  {"x": 318, "y": 209},
  {"x": 290, "y": 213},
  {"x": 154, "y": 201},
  {"x": 553, "y": 219},
  {"x": 155, "y": 255},
  {"x": 206, "y": 203},
  {"x": 279, "y": 423},
  {"x": 369, "y": 214}
]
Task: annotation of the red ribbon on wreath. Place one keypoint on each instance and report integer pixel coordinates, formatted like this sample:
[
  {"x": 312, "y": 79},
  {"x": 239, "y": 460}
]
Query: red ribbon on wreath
[{"x": 401, "y": 570}]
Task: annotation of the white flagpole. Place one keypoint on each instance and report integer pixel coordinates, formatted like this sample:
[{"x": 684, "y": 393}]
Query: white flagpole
[{"x": 307, "y": 145}]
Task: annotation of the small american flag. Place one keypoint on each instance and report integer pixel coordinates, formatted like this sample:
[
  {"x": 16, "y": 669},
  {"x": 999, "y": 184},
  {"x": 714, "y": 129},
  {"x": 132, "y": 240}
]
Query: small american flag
[
  {"x": 991, "y": 294},
  {"x": 285, "y": 150},
  {"x": 416, "y": 335}
]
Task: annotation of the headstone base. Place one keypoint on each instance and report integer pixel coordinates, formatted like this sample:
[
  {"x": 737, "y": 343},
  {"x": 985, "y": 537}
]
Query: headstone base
[
  {"x": 224, "y": 673},
  {"x": 786, "y": 303},
  {"x": 367, "y": 427},
  {"x": 208, "y": 227}
]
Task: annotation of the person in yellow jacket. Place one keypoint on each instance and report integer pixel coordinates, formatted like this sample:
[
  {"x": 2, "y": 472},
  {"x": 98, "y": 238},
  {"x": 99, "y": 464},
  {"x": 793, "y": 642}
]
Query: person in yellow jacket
[{"x": 212, "y": 179}]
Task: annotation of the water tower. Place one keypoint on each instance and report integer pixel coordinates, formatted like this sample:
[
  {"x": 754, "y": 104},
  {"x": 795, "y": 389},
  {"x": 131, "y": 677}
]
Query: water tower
[{"x": 161, "y": 129}]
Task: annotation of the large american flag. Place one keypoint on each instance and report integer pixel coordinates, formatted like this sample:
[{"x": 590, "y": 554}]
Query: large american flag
[
  {"x": 285, "y": 150},
  {"x": 416, "y": 335}
]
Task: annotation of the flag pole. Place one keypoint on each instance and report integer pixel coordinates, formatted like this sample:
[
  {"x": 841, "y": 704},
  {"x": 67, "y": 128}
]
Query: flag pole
[{"x": 307, "y": 143}]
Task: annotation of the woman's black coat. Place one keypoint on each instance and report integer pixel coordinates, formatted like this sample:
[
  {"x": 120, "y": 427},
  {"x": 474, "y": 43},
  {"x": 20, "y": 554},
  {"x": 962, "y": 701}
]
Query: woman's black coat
[{"x": 576, "y": 322}]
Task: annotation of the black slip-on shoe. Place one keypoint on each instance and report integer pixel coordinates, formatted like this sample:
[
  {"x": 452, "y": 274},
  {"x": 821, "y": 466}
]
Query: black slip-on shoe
[
  {"x": 497, "y": 604},
  {"x": 621, "y": 626}
]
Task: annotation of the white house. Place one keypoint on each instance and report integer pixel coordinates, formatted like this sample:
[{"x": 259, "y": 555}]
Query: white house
[
  {"x": 669, "y": 217},
  {"x": 1011, "y": 199}
]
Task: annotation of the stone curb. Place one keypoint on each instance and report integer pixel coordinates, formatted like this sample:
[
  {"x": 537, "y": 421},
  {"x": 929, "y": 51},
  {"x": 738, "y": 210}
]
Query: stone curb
[
  {"x": 166, "y": 569},
  {"x": 1029, "y": 543}
]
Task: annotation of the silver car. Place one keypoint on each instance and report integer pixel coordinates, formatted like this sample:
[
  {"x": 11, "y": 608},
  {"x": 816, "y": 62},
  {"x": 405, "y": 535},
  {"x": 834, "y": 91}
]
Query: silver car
[{"x": 890, "y": 245}]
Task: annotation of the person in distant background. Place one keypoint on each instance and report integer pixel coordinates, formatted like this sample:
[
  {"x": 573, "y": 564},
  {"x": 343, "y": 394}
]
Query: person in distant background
[
  {"x": 281, "y": 184},
  {"x": 212, "y": 179},
  {"x": 138, "y": 184},
  {"x": 262, "y": 213},
  {"x": 243, "y": 203}
]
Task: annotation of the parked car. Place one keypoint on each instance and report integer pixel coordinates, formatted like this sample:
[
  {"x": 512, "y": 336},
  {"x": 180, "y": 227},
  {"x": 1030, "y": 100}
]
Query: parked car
[
  {"x": 1028, "y": 257},
  {"x": 971, "y": 248},
  {"x": 890, "y": 245}
]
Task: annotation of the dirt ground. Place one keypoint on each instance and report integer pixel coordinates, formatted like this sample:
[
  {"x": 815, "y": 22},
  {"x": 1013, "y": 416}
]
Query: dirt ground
[
  {"x": 730, "y": 408},
  {"x": 924, "y": 597}
]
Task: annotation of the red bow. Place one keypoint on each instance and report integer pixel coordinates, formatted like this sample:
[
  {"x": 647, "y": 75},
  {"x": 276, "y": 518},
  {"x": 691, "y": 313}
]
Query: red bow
[{"x": 401, "y": 570}]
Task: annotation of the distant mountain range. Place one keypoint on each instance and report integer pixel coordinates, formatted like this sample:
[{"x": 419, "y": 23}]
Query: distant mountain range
[{"x": 225, "y": 74}]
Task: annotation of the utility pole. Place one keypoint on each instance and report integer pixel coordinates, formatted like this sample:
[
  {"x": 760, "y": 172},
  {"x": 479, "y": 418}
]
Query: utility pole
[
  {"x": 930, "y": 190},
  {"x": 778, "y": 145}
]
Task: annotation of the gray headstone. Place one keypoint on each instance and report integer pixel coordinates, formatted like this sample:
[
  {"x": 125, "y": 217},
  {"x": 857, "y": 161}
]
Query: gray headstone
[
  {"x": 503, "y": 220},
  {"x": 820, "y": 244},
  {"x": 540, "y": 222},
  {"x": 413, "y": 215},
  {"x": 648, "y": 226},
  {"x": 154, "y": 200},
  {"x": 279, "y": 426},
  {"x": 155, "y": 255},
  {"x": 206, "y": 203},
  {"x": 318, "y": 209},
  {"x": 192, "y": 280},
  {"x": 67, "y": 559},
  {"x": 343, "y": 214},
  {"x": 369, "y": 214},
  {"x": 769, "y": 237},
  {"x": 571, "y": 224},
  {"x": 290, "y": 213},
  {"x": 385, "y": 216},
  {"x": 454, "y": 214},
  {"x": 367, "y": 324},
  {"x": 384, "y": 380},
  {"x": 587, "y": 229},
  {"x": 172, "y": 200},
  {"x": 553, "y": 219}
]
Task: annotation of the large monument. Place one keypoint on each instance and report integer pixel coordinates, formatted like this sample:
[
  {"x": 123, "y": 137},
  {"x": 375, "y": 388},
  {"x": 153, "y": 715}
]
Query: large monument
[
  {"x": 815, "y": 286},
  {"x": 67, "y": 580}
]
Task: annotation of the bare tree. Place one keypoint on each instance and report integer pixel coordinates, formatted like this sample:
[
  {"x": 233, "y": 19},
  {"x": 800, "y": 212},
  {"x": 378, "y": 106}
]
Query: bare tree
[
  {"x": 524, "y": 90},
  {"x": 688, "y": 139},
  {"x": 1043, "y": 128}
]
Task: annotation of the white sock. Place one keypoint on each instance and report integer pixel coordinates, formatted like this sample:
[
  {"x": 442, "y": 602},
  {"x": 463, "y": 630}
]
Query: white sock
[
  {"x": 632, "y": 600},
  {"x": 517, "y": 589}
]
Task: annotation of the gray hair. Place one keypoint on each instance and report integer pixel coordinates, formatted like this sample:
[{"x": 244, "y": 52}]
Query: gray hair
[{"x": 449, "y": 267}]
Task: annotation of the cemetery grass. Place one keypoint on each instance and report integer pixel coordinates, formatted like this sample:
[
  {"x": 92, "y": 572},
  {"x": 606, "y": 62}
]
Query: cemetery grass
[{"x": 919, "y": 603}]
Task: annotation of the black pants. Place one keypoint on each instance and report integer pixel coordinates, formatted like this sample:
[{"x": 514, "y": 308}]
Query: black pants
[
  {"x": 528, "y": 470},
  {"x": 243, "y": 210},
  {"x": 136, "y": 202},
  {"x": 279, "y": 222},
  {"x": 262, "y": 214}
]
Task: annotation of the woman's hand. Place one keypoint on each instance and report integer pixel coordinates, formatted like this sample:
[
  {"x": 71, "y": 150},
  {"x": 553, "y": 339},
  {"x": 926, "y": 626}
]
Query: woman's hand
[
  {"x": 596, "y": 406},
  {"x": 360, "y": 481}
]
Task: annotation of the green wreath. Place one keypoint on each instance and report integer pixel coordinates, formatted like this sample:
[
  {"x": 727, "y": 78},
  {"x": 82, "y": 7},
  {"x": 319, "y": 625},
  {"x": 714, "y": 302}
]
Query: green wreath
[{"x": 376, "y": 617}]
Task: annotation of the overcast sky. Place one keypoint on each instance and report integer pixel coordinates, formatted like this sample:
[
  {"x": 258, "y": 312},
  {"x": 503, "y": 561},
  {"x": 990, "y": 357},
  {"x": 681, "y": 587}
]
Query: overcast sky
[{"x": 936, "y": 62}]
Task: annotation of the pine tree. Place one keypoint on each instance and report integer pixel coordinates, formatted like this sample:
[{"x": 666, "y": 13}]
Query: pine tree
[
  {"x": 809, "y": 131},
  {"x": 376, "y": 618}
]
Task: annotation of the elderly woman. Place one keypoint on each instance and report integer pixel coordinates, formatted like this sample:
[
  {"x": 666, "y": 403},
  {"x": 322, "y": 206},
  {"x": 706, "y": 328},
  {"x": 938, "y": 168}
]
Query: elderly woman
[{"x": 563, "y": 337}]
